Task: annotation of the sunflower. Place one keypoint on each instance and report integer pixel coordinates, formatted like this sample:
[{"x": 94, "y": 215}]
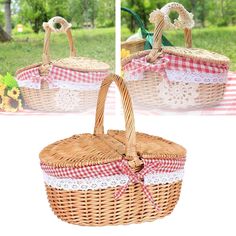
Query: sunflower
[
  {"x": 124, "y": 53},
  {"x": 2, "y": 87},
  {"x": 13, "y": 93},
  {"x": 11, "y": 104}
]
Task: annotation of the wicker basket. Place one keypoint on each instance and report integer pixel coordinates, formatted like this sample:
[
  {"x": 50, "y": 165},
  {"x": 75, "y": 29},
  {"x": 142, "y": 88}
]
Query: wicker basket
[
  {"x": 135, "y": 45},
  {"x": 64, "y": 85},
  {"x": 175, "y": 77},
  {"x": 121, "y": 177}
]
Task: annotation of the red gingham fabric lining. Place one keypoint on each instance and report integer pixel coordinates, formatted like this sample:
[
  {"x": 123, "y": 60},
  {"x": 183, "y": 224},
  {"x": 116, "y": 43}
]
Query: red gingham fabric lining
[
  {"x": 112, "y": 168},
  {"x": 61, "y": 74},
  {"x": 172, "y": 62}
]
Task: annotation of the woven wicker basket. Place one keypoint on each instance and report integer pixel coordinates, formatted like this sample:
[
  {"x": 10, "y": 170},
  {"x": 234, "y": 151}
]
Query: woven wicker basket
[
  {"x": 135, "y": 45},
  {"x": 64, "y": 85},
  {"x": 175, "y": 77},
  {"x": 121, "y": 177}
]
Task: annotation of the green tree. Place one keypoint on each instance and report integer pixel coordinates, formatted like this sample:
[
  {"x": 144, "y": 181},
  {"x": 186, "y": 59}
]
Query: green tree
[
  {"x": 106, "y": 13},
  {"x": 34, "y": 12}
]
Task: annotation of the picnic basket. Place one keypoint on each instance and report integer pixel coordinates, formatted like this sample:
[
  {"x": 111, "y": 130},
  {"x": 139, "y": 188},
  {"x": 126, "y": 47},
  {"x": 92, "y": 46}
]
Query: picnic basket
[
  {"x": 63, "y": 85},
  {"x": 135, "y": 45},
  {"x": 121, "y": 177},
  {"x": 175, "y": 77}
]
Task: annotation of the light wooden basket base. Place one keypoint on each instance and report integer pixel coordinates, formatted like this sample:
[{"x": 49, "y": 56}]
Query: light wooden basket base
[{"x": 99, "y": 208}]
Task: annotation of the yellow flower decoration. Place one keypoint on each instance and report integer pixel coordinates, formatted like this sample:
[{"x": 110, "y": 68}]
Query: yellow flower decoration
[
  {"x": 2, "y": 92},
  {"x": 125, "y": 53},
  {"x": 2, "y": 87},
  {"x": 1, "y": 101},
  {"x": 13, "y": 93},
  {"x": 11, "y": 104}
]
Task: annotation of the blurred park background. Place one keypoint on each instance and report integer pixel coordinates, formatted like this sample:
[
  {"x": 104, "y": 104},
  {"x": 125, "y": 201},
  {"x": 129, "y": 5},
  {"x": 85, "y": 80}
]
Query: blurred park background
[
  {"x": 215, "y": 23},
  {"x": 21, "y": 33}
]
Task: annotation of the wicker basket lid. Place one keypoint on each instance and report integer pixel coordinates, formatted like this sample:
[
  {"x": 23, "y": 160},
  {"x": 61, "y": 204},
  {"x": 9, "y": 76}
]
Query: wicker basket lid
[
  {"x": 88, "y": 149},
  {"x": 81, "y": 64},
  {"x": 134, "y": 41},
  {"x": 197, "y": 54}
]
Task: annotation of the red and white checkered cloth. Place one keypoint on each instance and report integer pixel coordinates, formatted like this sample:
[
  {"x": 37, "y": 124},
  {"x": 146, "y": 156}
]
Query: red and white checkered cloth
[
  {"x": 172, "y": 62},
  {"x": 60, "y": 74},
  {"x": 112, "y": 168},
  {"x": 138, "y": 177}
]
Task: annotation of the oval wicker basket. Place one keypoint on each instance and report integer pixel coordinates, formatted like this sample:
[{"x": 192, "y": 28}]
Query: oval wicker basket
[
  {"x": 175, "y": 77},
  {"x": 135, "y": 45},
  {"x": 121, "y": 177},
  {"x": 63, "y": 85}
]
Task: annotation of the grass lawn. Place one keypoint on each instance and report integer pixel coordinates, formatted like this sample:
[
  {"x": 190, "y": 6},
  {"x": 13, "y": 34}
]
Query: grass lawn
[
  {"x": 26, "y": 49},
  {"x": 221, "y": 40}
]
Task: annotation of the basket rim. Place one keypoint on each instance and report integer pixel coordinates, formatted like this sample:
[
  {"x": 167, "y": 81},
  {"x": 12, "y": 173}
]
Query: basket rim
[
  {"x": 55, "y": 63},
  {"x": 170, "y": 50},
  {"x": 136, "y": 41}
]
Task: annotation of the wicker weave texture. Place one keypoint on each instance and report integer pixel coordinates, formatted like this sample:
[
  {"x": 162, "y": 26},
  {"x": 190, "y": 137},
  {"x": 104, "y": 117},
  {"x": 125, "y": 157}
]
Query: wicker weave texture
[
  {"x": 109, "y": 147},
  {"x": 133, "y": 46},
  {"x": 146, "y": 93},
  {"x": 98, "y": 208},
  {"x": 45, "y": 98}
]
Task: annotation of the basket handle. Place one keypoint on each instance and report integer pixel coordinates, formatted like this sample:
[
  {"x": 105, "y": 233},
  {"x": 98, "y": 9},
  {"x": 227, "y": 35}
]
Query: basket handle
[
  {"x": 162, "y": 21},
  {"x": 49, "y": 27},
  {"x": 131, "y": 152}
]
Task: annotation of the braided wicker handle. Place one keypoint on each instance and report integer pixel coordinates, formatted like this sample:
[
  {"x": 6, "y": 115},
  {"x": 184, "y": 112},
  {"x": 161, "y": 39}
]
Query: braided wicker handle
[
  {"x": 49, "y": 27},
  {"x": 131, "y": 152},
  {"x": 162, "y": 21}
]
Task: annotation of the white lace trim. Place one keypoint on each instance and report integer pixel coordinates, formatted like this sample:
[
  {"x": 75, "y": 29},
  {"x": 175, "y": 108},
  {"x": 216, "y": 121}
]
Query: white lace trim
[
  {"x": 75, "y": 85},
  {"x": 164, "y": 178},
  {"x": 67, "y": 100},
  {"x": 110, "y": 181},
  {"x": 184, "y": 76},
  {"x": 86, "y": 184},
  {"x": 178, "y": 95},
  {"x": 28, "y": 84},
  {"x": 61, "y": 84},
  {"x": 196, "y": 77},
  {"x": 129, "y": 76}
]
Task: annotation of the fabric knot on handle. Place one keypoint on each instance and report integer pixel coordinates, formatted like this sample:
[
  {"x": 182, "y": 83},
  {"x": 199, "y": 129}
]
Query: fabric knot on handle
[
  {"x": 36, "y": 78},
  {"x": 140, "y": 65},
  {"x": 137, "y": 177}
]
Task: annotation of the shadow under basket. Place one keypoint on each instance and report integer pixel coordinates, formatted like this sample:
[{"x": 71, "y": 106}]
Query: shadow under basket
[{"x": 121, "y": 177}]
